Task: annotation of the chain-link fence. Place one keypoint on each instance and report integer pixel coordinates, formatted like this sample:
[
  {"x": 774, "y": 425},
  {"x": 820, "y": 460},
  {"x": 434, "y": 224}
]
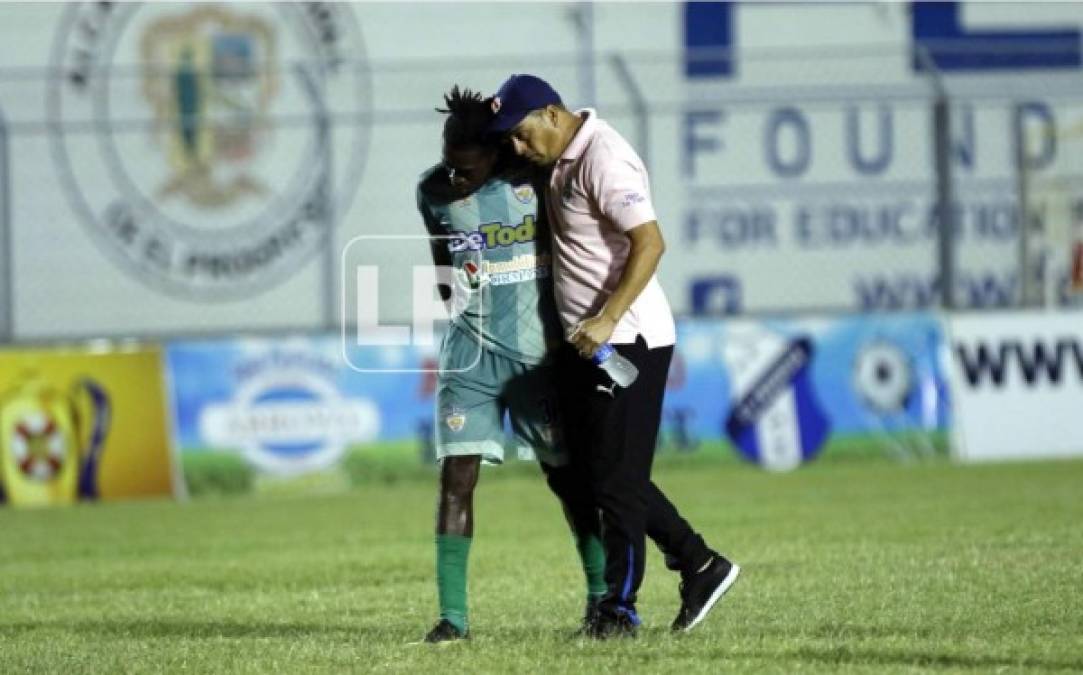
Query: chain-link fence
[{"x": 213, "y": 192}]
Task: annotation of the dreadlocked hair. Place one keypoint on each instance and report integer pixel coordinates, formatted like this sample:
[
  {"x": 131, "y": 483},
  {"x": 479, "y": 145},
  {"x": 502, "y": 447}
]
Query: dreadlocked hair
[{"x": 469, "y": 113}]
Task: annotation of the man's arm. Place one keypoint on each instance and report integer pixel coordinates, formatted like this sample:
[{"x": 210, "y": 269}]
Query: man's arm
[{"x": 647, "y": 247}]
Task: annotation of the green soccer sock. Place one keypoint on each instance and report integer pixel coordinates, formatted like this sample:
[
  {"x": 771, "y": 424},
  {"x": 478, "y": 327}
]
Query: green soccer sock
[
  {"x": 592, "y": 555},
  {"x": 452, "y": 552}
]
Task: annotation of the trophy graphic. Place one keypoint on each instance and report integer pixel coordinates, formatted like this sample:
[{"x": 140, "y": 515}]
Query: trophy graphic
[{"x": 51, "y": 441}]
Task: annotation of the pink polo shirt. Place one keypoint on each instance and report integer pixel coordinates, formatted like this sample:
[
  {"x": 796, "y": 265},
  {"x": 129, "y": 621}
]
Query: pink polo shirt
[{"x": 598, "y": 191}]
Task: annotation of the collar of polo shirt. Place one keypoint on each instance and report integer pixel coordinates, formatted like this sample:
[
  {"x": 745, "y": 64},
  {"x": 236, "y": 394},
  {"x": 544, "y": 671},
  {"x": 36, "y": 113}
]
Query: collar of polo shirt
[{"x": 582, "y": 136}]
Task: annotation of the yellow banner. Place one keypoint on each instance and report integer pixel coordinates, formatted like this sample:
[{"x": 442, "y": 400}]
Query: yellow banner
[{"x": 82, "y": 425}]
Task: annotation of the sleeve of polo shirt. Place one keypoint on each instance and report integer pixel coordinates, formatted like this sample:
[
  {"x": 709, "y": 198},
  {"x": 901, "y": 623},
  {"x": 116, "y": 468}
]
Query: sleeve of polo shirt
[
  {"x": 422, "y": 208},
  {"x": 619, "y": 186}
]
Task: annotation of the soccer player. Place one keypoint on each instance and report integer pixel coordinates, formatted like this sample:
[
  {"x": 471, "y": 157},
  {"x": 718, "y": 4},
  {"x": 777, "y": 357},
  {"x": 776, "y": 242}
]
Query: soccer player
[
  {"x": 606, "y": 246},
  {"x": 498, "y": 248}
]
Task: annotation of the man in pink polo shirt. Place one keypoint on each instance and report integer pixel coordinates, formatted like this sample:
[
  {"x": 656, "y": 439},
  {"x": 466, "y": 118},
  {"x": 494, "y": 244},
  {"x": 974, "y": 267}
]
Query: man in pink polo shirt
[{"x": 606, "y": 246}]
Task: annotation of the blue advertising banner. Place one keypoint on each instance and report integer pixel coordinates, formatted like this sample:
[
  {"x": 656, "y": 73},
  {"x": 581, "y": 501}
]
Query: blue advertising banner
[
  {"x": 778, "y": 393},
  {"x": 292, "y": 406},
  {"x": 783, "y": 392}
]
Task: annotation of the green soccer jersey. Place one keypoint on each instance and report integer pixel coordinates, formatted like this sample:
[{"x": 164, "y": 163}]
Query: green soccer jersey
[{"x": 499, "y": 241}]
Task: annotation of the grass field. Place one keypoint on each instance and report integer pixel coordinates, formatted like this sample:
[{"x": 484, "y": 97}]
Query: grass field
[{"x": 849, "y": 567}]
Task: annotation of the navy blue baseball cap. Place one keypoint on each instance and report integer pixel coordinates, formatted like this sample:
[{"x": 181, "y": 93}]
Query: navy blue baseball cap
[{"x": 518, "y": 97}]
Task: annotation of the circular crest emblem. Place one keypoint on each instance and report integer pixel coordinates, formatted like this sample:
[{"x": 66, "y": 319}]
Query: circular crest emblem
[
  {"x": 884, "y": 377},
  {"x": 38, "y": 446},
  {"x": 195, "y": 142},
  {"x": 290, "y": 420}
]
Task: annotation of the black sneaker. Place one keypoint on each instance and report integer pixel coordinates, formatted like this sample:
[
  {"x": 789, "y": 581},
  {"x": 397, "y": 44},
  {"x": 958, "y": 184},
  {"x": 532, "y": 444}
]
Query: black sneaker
[
  {"x": 590, "y": 615},
  {"x": 607, "y": 626},
  {"x": 701, "y": 590},
  {"x": 445, "y": 631}
]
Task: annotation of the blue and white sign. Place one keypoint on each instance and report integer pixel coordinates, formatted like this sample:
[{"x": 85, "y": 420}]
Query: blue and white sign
[
  {"x": 805, "y": 149},
  {"x": 783, "y": 392},
  {"x": 292, "y": 406},
  {"x": 775, "y": 418}
]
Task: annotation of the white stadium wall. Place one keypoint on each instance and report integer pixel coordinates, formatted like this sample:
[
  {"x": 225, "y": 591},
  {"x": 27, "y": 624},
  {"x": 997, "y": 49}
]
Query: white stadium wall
[{"x": 796, "y": 174}]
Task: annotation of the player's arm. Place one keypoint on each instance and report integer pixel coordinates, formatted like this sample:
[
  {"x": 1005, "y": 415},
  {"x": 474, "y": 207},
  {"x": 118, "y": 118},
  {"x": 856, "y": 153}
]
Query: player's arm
[
  {"x": 441, "y": 257},
  {"x": 438, "y": 244}
]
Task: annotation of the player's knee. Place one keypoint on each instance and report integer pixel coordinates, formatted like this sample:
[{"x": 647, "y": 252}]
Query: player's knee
[
  {"x": 458, "y": 491},
  {"x": 459, "y": 476}
]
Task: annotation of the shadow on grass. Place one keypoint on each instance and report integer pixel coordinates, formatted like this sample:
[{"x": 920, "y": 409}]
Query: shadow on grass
[
  {"x": 665, "y": 645},
  {"x": 845, "y": 631},
  {"x": 913, "y": 658},
  {"x": 180, "y": 628},
  {"x": 829, "y": 655}
]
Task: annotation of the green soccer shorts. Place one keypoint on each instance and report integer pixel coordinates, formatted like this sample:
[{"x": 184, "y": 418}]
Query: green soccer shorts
[{"x": 473, "y": 394}]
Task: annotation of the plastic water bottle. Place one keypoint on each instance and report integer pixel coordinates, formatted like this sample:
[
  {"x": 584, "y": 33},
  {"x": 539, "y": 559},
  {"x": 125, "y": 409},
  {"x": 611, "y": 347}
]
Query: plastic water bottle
[{"x": 620, "y": 370}]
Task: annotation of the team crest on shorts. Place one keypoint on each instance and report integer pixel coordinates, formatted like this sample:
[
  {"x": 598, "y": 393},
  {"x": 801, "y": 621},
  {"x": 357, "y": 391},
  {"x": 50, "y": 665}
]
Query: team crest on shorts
[
  {"x": 524, "y": 193},
  {"x": 455, "y": 419}
]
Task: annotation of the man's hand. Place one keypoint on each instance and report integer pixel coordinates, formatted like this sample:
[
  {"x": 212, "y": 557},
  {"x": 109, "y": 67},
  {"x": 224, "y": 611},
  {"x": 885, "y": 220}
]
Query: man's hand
[{"x": 592, "y": 333}]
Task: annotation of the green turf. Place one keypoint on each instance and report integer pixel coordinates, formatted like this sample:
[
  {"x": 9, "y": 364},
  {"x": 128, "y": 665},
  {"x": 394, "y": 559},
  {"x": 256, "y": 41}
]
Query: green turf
[
  {"x": 222, "y": 470},
  {"x": 849, "y": 567}
]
